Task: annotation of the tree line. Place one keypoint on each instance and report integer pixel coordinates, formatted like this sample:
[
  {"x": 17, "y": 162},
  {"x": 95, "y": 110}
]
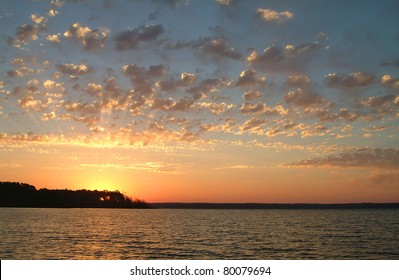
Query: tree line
[{"x": 16, "y": 194}]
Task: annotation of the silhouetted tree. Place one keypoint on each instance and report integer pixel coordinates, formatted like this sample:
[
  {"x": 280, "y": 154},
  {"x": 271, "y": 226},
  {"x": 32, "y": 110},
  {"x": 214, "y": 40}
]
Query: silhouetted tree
[{"x": 15, "y": 194}]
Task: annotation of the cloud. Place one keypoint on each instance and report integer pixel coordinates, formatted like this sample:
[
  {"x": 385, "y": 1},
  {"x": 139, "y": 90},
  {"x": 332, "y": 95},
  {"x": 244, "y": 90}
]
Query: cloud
[
  {"x": 254, "y": 125},
  {"x": 377, "y": 101},
  {"x": 166, "y": 85},
  {"x": 142, "y": 78},
  {"x": 33, "y": 99},
  {"x": 185, "y": 80},
  {"x": 136, "y": 73},
  {"x": 53, "y": 38},
  {"x": 226, "y": 127},
  {"x": 29, "y": 137},
  {"x": 217, "y": 108},
  {"x": 390, "y": 82},
  {"x": 130, "y": 39},
  {"x": 182, "y": 104},
  {"x": 252, "y": 95},
  {"x": 366, "y": 157},
  {"x": 207, "y": 86},
  {"x": 26, "y": 32},
  {"x": 225, "y": 2},
  {"x": 90, "y": 121},
  {"x": 151, "y": 166},
  {"x": 298, "y": 80},
  {"x": 15, "y": 73},
  {"x": 325, "y": 115},
  {"x": 54, "y": 6},
  {"x": 236, "y": 166},
  {"x": 315, "y": 130},
  {"x": 249, "y": 78},
  {"x": 49, "y": 116},
  {"x": 302, "y": 97},
  {"x": 73, "y": 69},
  {"x": 90, "y": 39},
  {"x": 156, "y": 132},
  {"x": 269, "y": 15},
  {"x": 352, "y": 80},
  {"x": 37, "y": 19},
  {"x": 52, "y": 85},
  {"x": 289, "y": 57},
  {"x": 30, "y": 103},
  {"x": 262, "y": 108},
  {"x": 217, "y": 47},
  {"x": 93, "y": 89}
]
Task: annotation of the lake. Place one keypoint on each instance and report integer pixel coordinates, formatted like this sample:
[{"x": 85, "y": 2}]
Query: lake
[{"x": 38, "y": 233}]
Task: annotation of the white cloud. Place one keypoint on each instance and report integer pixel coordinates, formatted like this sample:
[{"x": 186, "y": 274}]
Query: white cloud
[{"x": 269, "y": 15}]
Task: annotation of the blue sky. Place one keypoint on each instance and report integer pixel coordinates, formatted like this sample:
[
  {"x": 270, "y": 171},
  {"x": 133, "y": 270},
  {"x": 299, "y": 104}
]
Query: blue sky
[{"x": 306, "y": 90}]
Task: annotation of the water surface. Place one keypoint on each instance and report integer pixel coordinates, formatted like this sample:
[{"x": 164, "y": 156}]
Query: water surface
[{"x": 198, "y": 234}]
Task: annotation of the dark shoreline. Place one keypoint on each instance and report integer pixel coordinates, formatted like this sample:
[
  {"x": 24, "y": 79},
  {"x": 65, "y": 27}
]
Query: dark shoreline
[
  {"x": 14, "y": 194},
  {"x": 178, "y": 205}
]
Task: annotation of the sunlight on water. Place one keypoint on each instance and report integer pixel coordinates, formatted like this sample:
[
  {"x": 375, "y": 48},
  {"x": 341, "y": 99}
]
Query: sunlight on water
[{"x": 198, "y": 234}]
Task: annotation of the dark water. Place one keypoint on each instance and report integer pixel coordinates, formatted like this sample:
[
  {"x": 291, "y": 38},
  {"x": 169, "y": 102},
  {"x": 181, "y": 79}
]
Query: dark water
[{"x": 198, "y": 234}]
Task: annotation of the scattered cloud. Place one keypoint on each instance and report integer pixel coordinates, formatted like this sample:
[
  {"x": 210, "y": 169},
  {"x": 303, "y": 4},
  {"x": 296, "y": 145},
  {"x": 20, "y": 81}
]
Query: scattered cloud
[
  {"x": 216, "y": 47},
  {"x": 262, "y": 108},
  {"x": 185, "y": 80},
  {"x": 208, "y": 86},
  {"x": 385, "y": 158},
  {"x": 298, "y": 80},
  {"x": 90, "y": 39},
  {"x": 390, "y": 82},
  {"x": 137, "y": 73},
  {"x": 269, "y": 15},
  {"x": 325, "y": 115},
  {"x": 225, "y": 2},
  {"x": 25, "y": 33},
  {"x": 130, "y": 39},
  {"x": 254, "y": 125},
  {"x": 236, "y": 166},
  {"x": 252, "y": 95},
  {"x": 150, "y": 166},
  {"x": 54, "y": 38},
  {"x": 377, "y": 101},
  {"x": 182, "y": 104},
  {"x": 249, "y": 78},
  {"x": 302, "y": 97},
  {"x": 352, "y": 80},
  {"x": 216, "y": 108},
  {"x": 73, "y": 69},
  {"x": 282, "y": 58}
]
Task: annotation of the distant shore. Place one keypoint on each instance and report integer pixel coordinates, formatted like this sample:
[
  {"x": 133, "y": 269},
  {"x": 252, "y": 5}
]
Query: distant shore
[
  {"x": 178, "y": 205},
  {"x": 15, "y": 194}
]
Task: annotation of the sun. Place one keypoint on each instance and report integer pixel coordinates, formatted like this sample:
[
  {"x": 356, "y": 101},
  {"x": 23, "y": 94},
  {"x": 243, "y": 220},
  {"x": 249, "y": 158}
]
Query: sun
[{"x": 99, "y": 181}]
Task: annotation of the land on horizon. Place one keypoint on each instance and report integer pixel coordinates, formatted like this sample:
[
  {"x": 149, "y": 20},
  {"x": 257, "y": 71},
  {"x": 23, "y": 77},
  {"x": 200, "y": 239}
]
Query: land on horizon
[{"x": 14, "y": 194}]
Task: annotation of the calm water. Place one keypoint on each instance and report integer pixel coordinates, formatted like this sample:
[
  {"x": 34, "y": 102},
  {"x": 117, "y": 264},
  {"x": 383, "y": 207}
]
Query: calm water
[{"x": 198, "y": 234}]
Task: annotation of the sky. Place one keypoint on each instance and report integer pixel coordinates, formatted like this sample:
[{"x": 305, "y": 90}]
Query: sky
[{"x": 202, "y": 101}]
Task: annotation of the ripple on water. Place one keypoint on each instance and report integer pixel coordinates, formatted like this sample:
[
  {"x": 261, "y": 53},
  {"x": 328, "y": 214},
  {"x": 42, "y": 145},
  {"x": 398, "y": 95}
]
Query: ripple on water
[{"x": 198, "y": 234}]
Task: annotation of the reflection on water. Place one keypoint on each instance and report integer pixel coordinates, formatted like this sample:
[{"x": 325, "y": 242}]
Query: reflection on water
[{"x": 198, "y": 234}]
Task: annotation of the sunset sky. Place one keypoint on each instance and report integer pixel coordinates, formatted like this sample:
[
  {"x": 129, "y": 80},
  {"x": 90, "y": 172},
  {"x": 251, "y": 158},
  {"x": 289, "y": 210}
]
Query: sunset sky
[{"x": 202, "y": 101}]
